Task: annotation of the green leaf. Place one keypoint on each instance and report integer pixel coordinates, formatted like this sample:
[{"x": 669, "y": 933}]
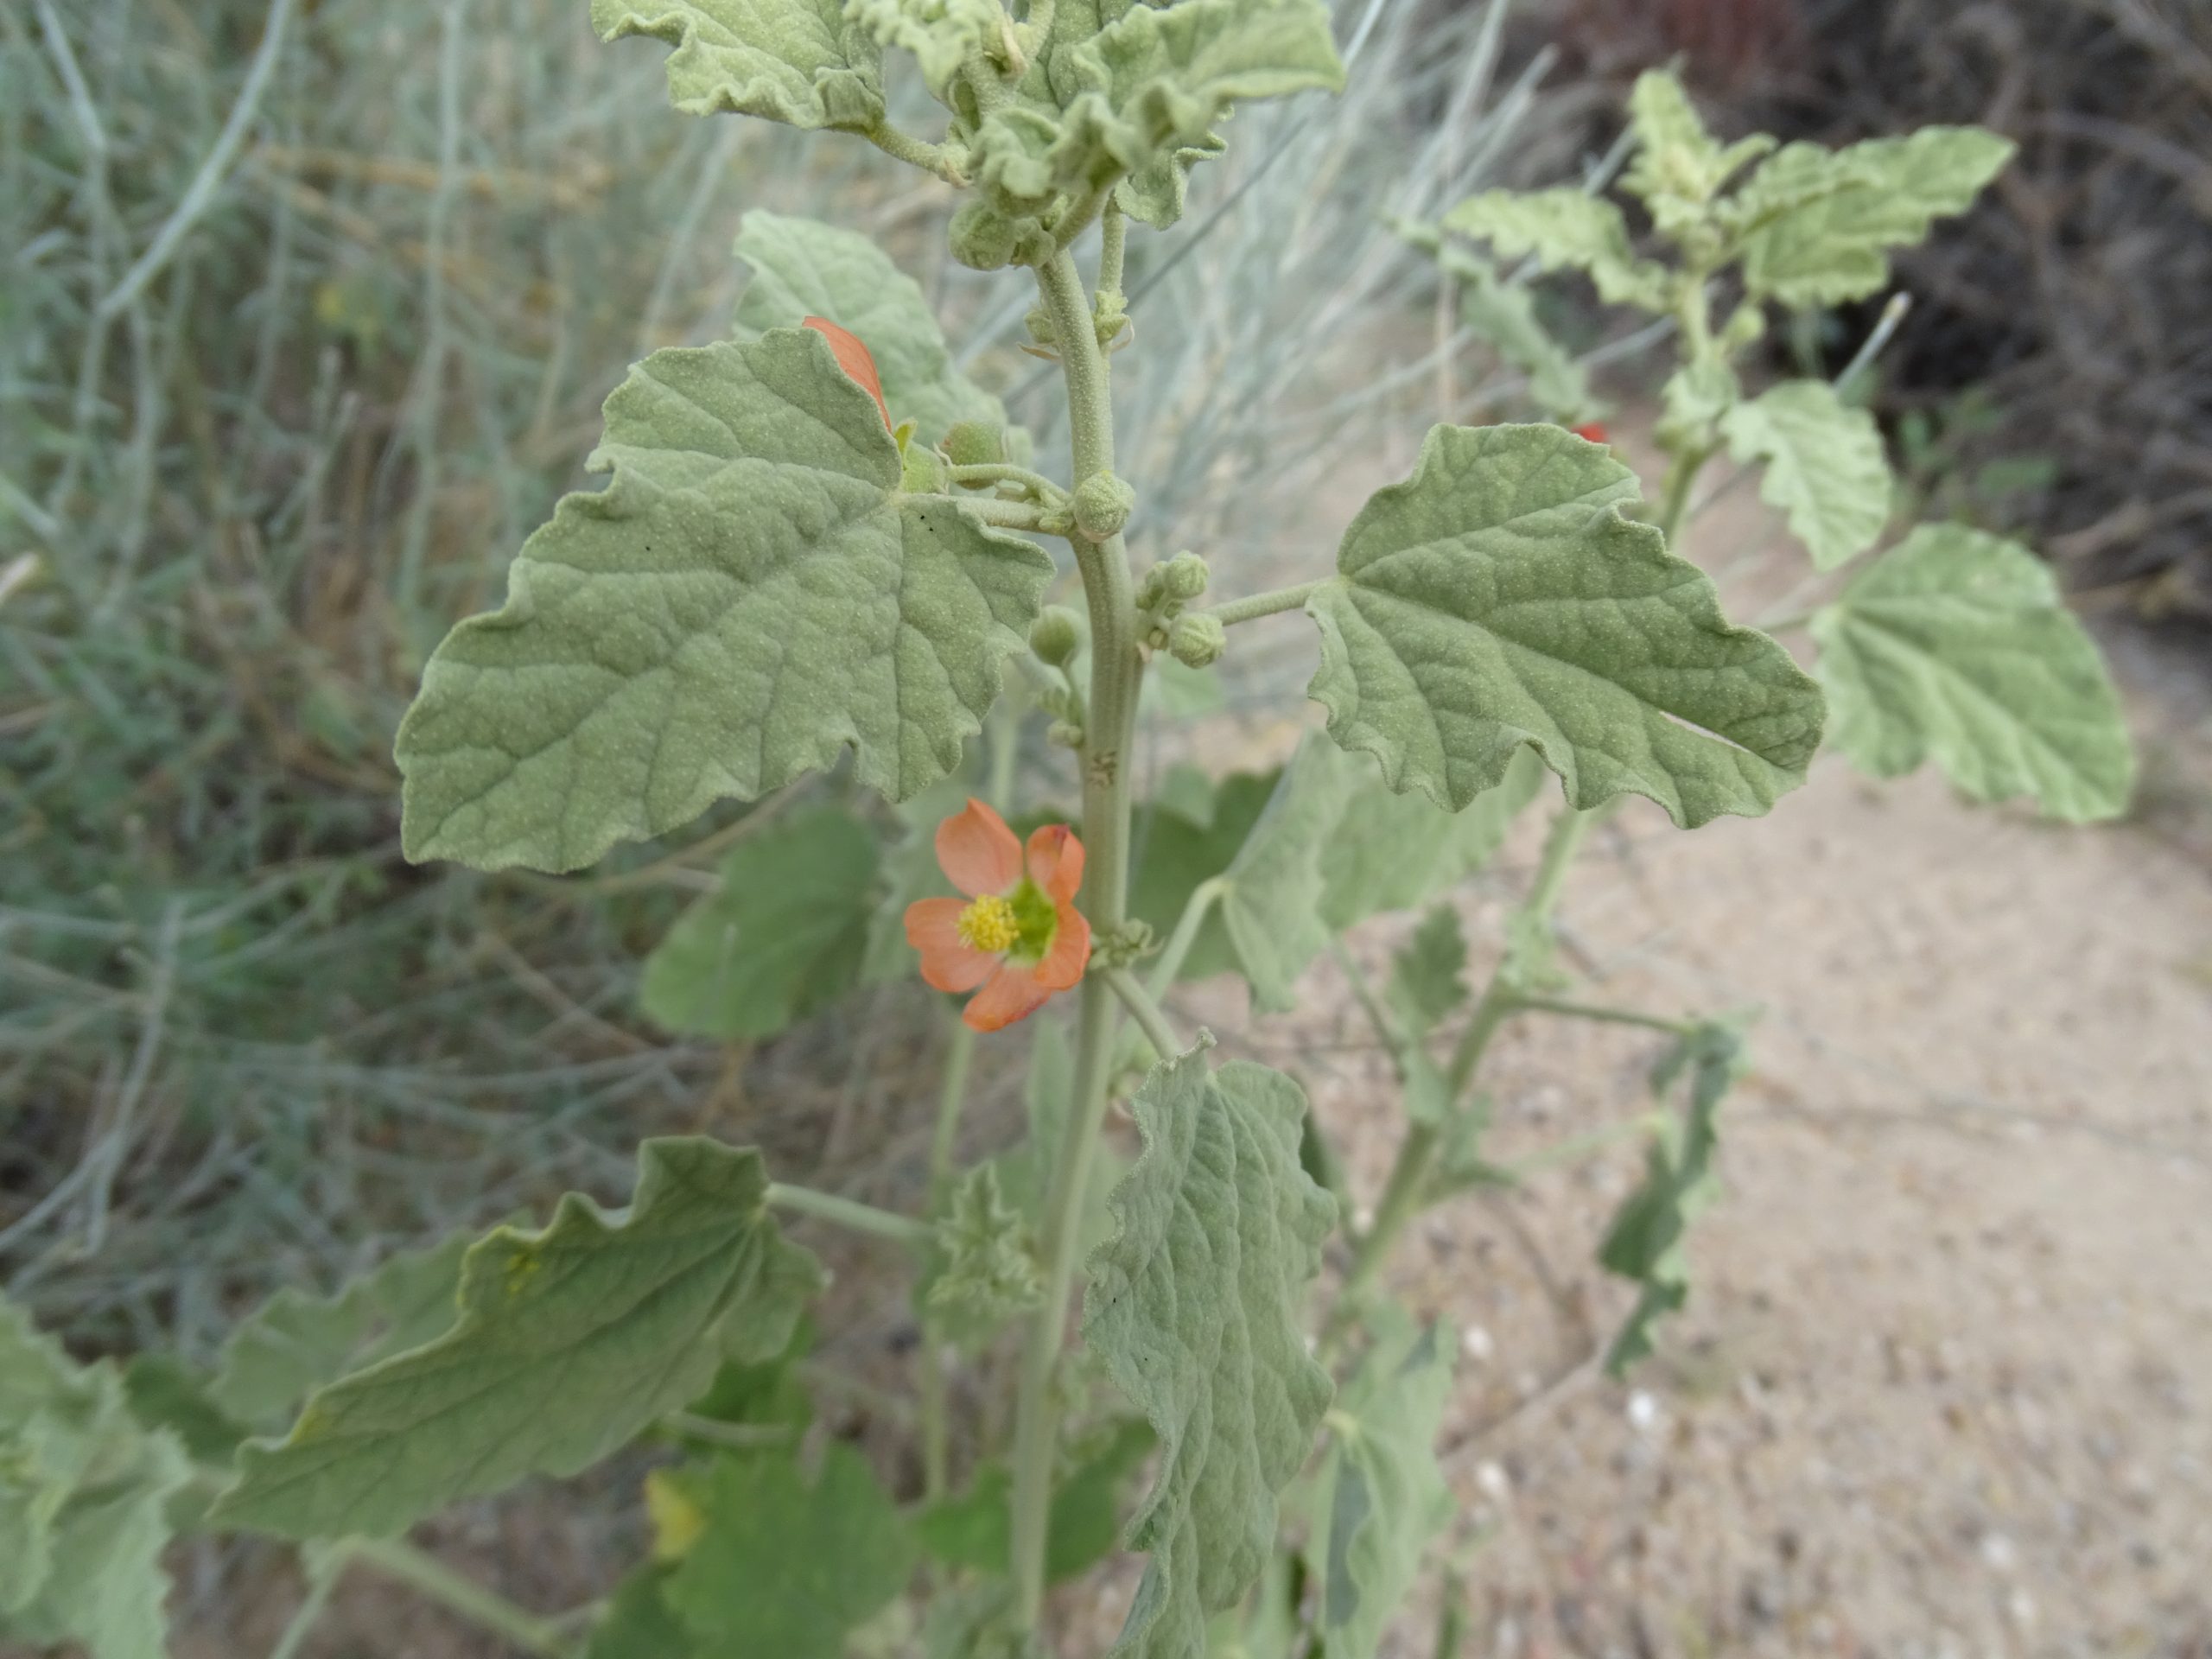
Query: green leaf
[
  {"x": 1645, "y": 1242},
  {"x": 1380, "y": 1497},
  {"x": 747, "y": 596},
  {"x": 1823, "y": 221},
  {"x": 1674, "y": 170},
  {"x": 1175, "y": 854},
  {"x": 1398, "y": 852},
  {"x": 802, "y": 268},
  {"x": 1566, "y": 229},
  {"x": 1271, "y": 903},
  {"x": 1194, "y": 1308},
  {"x": 1824, "y": 466},
  {"x": 166, "y": 1393},
  {"x": 637, "y": 1623},
  {"x": 975, "y": 1529},
  {"x": 798, "y": 61},
  {"x": 1505, "y": 315},
  {"x": 295, "y": 1343},
  {"x": 568, "y": 1342},
  {"x": 1500, "y": 597},
  {"x": 1957, "y": 647},
  {"x": 785, "y": 1566},
  {"x": 784, "y": 936},
  {"x": 1428, "y": 974},
  {"x": 985, "y": 1275},
  {"x": 84, "y": 1498}
]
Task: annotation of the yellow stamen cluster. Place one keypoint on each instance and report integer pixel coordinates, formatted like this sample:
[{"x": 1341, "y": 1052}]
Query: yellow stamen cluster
[{"x": 988, "y": 924}]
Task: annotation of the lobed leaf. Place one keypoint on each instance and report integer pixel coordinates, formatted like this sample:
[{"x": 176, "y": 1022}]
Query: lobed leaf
[
  {"x": 802, "y": 268},
  {"x": 985, "y": 1273},
  {"x": 568, "y": 1341},
  {"x": 747, "y": 596},
  {"x": 798, "y": 61},
  {"x": 84, "y": 1493},
  {"x": 1824, "y": 469},
  {"x": 1380, "y": 1497},
  {"x": 1825, "y": 221},
  {"x": 1500, "y": 598},
  {"x": 1194, "y": 1308},
  {"x": 783, "y": 1565},
  {"x": 1565, "y": 228},
  {"x": 783, "y": 936},
  {"x": 1428, "y": 979},
  {"x": 1956, "y": 646}
]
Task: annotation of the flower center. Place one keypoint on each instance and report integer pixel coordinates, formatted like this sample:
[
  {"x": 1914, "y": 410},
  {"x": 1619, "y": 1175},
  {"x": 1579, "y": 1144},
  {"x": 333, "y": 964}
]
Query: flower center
[{"x": 989, "y": 923}]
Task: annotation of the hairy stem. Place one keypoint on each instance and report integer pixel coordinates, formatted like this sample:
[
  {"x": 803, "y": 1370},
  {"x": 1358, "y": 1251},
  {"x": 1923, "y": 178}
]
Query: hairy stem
[
  {"x": 1571, "y": 1010},
  {"x": 848, "y": 1213},
  {"x": 1116, "y": 670},
  {"x": 433, "y": 1578},
  {"x": 1146, "y": 1012},
  {"x": 931, "y": 158},
  {"x": 1196, "y": 909},
  {"x": 998, "y": 472},
  {"x": 1007, "y": 515},
  {"x": 1259, "y": 604}
]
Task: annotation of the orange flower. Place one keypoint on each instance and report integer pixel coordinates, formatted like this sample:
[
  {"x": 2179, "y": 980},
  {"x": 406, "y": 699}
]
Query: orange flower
[
  {"x": 853, "y": 358},
  {"x": 1017, "y": 934}
]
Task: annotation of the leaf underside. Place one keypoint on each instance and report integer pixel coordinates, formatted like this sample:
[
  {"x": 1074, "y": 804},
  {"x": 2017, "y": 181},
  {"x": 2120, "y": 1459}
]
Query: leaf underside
[
  {"x": 1956, "y": 646},
  {"x": 749, "y": 595},
  {"x": 797, "y": 61},
  {"x": 568, "y": 1342},
  {"x": 1824, "y": 469},
  {"x": 1499, "y": 598},
  {"x": 1194, "y": 1309}
]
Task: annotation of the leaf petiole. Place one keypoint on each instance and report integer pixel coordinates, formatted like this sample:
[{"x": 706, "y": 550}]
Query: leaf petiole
[
  {"x": 848, "y": 1213},
  {"x": 1146, "y": 1012},
  {"x": 1260, "y": 605}
]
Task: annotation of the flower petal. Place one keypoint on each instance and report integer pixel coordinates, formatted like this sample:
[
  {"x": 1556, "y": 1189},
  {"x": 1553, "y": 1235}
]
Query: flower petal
[
  {"x": 948, "y": 962},
  {"x": 853, "y": 358},
  {"x": 978, "y": 852},
  {"x": 1012, "y": 993},
  {"x": 1061, "y": 969},
  {"x": 1056, "y": 862}
]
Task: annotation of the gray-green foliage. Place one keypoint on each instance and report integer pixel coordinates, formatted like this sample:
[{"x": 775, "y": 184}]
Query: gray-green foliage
[
  {"x": 1194, "y": 1309},
  {"x": 84, "y": 1496},
  {"x": 804, "y": 268},
  {"x": 1272, "y": 901},
  {"x": 1380, "y": 1497},
  {"x": 295, "y": 1343},
  {"x": 1501, "y": 598},
  {"x": 986, "y": 1269},
  {"x": 1957, "y": 647},
  {"x": 1428, "y": 973},
  {"x": 749, "y": 594},
  {"x": 1645, "y": 1242},
  {"x": 1824, "y": 466},
  {"x": 568, "y": 1342},
  {"x": 784, "y": 936},
  {"x": 785, "y": 1561},
  {"x": 798, "y": 61},
  {"x": 1567, "y": 230}
]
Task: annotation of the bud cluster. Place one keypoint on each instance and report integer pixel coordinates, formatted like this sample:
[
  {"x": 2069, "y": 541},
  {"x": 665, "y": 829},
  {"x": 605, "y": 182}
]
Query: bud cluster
[{"x": 1194, "y": 638}]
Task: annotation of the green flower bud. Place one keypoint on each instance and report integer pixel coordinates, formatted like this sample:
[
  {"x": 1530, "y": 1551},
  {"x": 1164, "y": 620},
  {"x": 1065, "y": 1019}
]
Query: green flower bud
[
  {"x": 975, "y": 443},
  {"x": 1103, "y": 504},
  {"x": 1053, "y": 636},
  {"x": 1197, "y": 639},
  {"x": 1065, "y": 733},
  {"x": 1184, "y": 576},
  {"x": 982, "y": 238},
  {"x": 922, "y": 472}
]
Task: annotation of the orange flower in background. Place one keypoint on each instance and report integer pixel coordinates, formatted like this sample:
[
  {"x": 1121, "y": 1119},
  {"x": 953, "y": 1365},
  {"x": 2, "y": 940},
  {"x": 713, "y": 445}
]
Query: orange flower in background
[
  {"x": 1017, "y": 934},
  {"x": 853, "y": 358},
  {"x": 1591, "y": 432}
]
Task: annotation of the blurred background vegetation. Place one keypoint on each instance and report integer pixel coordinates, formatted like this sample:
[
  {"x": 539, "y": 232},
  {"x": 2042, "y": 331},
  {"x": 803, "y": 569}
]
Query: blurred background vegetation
[{"x": 306, "y": 308}]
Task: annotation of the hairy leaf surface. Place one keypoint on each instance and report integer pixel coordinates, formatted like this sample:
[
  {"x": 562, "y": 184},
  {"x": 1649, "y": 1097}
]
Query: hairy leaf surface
[
  {"x": 1428, "y": 973},
  {"x": 1827, "y": 220},
  {"x": 975, "y": 1528},
  {"x": 568, "y": 1342},
  {"x": 1380, "y": 1497},
  {"x": 1272, "y": 904},
  {"x": 1957, "y": 647},
  {"x": 1398, "y": 852},
  {"x": 1500, "y": 598},
  {"x": 1194, "y": 1309},
  {"x": 782, "y": 937},
  {"x": 1824, "y": 469},
  {"x": 797, "y": 61},
  {"x": 784, "y": 1565},
  {"x": 749, "y": 595},
  {"x": 1567, "y": 229},
  {"x": 802, "y": 268}
]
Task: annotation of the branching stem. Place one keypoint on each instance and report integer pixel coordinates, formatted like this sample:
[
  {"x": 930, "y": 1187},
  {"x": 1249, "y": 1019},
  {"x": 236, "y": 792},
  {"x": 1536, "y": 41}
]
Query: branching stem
[
  {"x": 1147, "y": 1013},
  {"x": 1260, "y": 605},
  {"x": 848, "y": 1213}
]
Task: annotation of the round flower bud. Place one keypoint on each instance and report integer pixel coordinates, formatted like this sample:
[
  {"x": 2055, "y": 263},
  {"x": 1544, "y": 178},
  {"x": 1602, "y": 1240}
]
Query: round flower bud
[
  {"x": 1185, "y": 576},
  {"x": 982, "y": 238},
  {"x": 1065, "y": 733},
  {"x": 1052, "y": 636},
  {"x": 1103, "y": 504},
  {"x": 1197, "y": 639},
  {"x": 975, "y": 443}
]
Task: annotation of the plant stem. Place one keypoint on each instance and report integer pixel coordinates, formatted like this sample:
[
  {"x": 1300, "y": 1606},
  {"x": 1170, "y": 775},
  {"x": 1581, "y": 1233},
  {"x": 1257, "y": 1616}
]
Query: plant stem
[
  {"x": 999, "y": 472},
  {"x": 1115, "y": 673},
  {"x": 848, "y": 1213},
  {"x": 931, "y": 158},
  {"x": 397, "y": 1560},
  {"x": 1007, "y": 515},
  {"x": 1196, "y": 909},
  {"x": 1259, "y": 604},
  {"x": 1573, "y": 1147},
  {"x": 1146, "y": 1012},
  {"x": 1113, "y": 235},
  {"x": 1386, "y": 1029},
  {"x": 1681, "y": 479},
  {"x": 952, "y": 1096},
  {"x": 323, "y": 1579},
  {"x": 1571, "y": 1010}
]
